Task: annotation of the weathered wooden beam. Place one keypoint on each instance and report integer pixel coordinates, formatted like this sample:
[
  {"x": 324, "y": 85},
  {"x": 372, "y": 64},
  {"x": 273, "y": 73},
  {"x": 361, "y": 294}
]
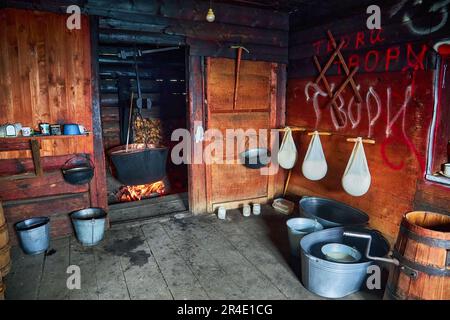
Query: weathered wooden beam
[
  {"x": 196, "y": 172},
  {"x": 13, "y": 144},
  {"x": 113, "y": 36},
  {"x": 141, "y": 10},
  {"x": 18, "y": 209},
  {"x": 226, "y": 13},
  {"x": 18, "y": 166},
  {"x": 51, "y": 183},
  {"x": 223, "y": 49},
  {"x": 36, "y": 154},
  {"x": 114, "y": 72},
  {"x": 98, "y": 191}
]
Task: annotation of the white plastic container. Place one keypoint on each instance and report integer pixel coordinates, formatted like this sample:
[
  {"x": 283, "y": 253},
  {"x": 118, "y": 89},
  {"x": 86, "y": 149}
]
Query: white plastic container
[
  {"x": 246, "y": 211},
  {"x": 222, "y": 213},
  {"x": 256, "y": 209}
]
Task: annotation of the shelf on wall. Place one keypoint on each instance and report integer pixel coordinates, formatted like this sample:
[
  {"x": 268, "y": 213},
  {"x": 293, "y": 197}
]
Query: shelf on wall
[
  {"x": 32, "y": 144},
  {"x": 49, "y": 137}
]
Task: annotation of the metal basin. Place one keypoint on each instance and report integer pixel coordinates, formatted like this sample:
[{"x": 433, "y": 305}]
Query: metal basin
[
  {"x": 331, "y": 213},
  {"x": 332, "y": 279}
]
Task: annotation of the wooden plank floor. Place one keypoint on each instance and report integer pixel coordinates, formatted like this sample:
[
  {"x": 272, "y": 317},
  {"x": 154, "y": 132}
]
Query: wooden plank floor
[{"x": 192, "y": 257}]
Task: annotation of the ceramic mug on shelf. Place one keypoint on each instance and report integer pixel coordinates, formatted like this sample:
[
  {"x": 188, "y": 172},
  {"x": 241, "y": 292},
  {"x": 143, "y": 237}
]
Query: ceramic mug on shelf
[
  {"x": 82, "y": 129},
  {"x": 26, "y": 131},
  {"x": 447, "y": 169},
  {"x": 45, "y": 128}
]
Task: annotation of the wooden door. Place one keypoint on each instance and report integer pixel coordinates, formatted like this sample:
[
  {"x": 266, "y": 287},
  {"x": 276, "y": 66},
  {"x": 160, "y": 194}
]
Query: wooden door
[{"x": 233, "y": 185}]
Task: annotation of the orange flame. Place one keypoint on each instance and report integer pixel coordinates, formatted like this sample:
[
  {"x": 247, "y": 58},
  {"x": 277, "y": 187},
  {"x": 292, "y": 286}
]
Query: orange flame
[{"x": 133, "y": 193}]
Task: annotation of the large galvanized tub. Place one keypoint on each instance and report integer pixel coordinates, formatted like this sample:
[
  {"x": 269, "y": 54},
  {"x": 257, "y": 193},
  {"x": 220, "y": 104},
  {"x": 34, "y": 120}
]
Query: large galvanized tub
[
  {"x": 333, "y": 279},
  {"x": 330, "y": 213}
]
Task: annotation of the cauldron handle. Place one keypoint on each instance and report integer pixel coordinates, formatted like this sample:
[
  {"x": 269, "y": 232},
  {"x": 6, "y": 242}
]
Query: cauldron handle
[{"x": 368, "y": 237}]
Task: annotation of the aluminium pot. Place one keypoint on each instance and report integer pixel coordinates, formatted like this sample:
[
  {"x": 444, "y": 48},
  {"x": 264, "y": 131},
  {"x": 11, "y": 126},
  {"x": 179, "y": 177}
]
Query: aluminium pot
[{"x": 338, "y": 279}]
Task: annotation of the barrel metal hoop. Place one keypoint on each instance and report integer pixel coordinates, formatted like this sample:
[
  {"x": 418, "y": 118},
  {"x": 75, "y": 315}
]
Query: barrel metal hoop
[
  {"x": 432, "y": 242},
  {"x": 432, "y": 271}
]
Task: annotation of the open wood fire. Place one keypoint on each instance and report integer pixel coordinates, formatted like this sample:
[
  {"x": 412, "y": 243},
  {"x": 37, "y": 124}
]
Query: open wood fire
[{"x": 138, "y": 192}]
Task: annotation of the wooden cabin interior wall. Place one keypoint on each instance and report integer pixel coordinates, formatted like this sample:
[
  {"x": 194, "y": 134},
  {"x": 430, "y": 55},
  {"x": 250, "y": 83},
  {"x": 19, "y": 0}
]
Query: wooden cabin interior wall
[
  {"x": 145, "y": 23},
  {"x": 396, "y": 80},
  {"x": 45, "y": 77},
  {"x": 396, "y": 74}
]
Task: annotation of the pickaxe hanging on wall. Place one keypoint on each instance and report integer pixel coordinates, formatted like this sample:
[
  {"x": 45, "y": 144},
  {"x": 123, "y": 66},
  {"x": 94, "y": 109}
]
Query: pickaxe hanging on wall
[{"x": 237, "y": 70}]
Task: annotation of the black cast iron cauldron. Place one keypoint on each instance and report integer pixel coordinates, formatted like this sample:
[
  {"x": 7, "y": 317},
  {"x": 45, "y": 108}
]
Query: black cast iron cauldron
[
  {"x": 78, "y": 170},
  {"x": 140, "y": 165}
]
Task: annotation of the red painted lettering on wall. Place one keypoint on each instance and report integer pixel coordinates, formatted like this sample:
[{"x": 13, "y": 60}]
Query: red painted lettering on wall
[
  {"x": 371, "y": 61},
  {"x": 375, "y": 36},
  {"x": 391, "y": 54},
  {"x": 359, "y": 41},
  {"x": 353, "y": 61},
  {"x": 317, "y": 46},
  {"x": 415, "y": 61}
]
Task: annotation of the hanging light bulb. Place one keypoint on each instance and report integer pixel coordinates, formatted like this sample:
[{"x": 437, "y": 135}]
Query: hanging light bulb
[{"x": 210, "y": 17}]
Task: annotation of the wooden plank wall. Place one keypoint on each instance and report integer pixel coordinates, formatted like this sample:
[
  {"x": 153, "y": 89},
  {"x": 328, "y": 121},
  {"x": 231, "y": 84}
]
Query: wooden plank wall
[
  {"x": 182, "y": 22},
  {"x": 45, "y": 76},
  {"x": 179, "y": 22},
  {"x": 393, "y": 62}
]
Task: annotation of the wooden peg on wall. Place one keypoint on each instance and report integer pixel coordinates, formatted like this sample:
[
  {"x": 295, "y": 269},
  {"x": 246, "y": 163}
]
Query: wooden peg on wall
[
  {"x": 293, "y": 129},
  {"x": 320, "y": 133},
  {"x": 369, "y": 141}
]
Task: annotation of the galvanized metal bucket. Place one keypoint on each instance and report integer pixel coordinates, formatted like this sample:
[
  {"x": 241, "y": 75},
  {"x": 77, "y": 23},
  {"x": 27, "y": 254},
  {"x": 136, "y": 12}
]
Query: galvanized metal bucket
[
  {"x": 297, "y": 229},
  {"x": 34, "y": 235},
  {"x": 89, "y": 225}
]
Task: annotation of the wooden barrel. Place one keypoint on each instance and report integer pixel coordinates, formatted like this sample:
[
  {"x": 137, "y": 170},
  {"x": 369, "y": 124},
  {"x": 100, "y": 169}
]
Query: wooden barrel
[
  {"x": 4, "y": 236},
  {"x": 2, "y": 288},
  {"x": 5, "y": 260},
  {"x": 2, "y": 215},
  {"x": 423, "y": 250},
  {"x": 2, "y": 291}
]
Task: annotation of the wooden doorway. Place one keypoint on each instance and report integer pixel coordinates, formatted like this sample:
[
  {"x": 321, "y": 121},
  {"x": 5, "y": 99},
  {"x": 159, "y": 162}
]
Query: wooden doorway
[{"x": 232, "y": 185}]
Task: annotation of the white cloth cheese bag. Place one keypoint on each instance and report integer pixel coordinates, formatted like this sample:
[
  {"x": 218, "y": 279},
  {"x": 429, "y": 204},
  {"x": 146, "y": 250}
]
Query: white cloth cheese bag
[
  {"x": 356, "y": 180},
  {"x": 314, "y": 165},
  {"x": 287, "y": 155}
]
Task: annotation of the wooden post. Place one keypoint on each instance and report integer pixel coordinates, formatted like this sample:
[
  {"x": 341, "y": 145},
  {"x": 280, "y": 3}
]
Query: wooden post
[
  {"x": 196, "y": 172},
  {"x": 97, "y": 186},
  {"x": 35, "y": 152}
]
